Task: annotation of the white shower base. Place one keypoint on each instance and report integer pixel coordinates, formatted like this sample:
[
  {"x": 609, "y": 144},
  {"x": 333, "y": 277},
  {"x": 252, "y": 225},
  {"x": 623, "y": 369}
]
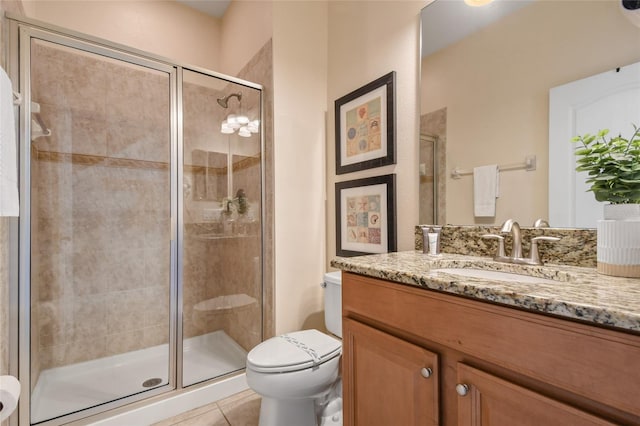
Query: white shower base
[{"x": 75, "y": 387}]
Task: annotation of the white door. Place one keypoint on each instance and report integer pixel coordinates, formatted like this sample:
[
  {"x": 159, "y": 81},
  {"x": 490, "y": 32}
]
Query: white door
[{"x": 610, "y": 100}]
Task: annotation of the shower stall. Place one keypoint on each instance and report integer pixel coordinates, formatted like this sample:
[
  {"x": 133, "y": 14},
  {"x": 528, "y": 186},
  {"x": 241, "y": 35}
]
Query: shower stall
[{"x": 140, "y": 264}]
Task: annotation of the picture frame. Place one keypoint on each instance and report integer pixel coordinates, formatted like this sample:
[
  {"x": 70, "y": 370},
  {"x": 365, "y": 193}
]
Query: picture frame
[
  {"x": 365, "y": 126},
  {"x": 365, "y": 216}
]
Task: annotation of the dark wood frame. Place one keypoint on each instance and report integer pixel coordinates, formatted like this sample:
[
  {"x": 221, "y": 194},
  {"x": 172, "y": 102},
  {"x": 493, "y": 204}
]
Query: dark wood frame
[
  {"x": 390, "y": 156},
  {"x": 389, "y": 214}
]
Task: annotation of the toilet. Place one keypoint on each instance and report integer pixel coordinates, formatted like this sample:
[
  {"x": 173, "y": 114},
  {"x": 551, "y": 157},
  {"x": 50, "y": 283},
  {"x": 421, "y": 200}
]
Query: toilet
[{"x": 297, "y": 374}]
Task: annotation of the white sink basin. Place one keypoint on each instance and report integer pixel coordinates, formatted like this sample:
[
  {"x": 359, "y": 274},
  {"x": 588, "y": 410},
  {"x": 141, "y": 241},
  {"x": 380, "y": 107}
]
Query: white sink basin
[{"x": 494, "y": 275}]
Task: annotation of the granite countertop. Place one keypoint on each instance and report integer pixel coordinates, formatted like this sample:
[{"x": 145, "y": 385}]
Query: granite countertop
[{"x": 576, "y": 293}]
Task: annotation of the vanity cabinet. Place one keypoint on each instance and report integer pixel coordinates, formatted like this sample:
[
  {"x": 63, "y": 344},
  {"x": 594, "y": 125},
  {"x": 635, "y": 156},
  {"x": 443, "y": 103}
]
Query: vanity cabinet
[
  {"x": 485, "y": 364},
  {"x": 485, "y": 399},
  {"x": 403, "y": 392}
]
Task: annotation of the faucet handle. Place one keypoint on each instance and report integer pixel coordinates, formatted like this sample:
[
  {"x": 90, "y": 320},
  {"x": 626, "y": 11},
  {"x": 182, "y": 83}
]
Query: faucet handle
[
  {"x": 534, "y": 255},
  {"x": 541, "y": 223},
  {"x": 500, "y": 239}
]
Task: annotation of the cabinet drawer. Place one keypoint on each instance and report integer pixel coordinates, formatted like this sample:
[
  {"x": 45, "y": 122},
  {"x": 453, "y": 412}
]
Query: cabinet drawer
[{"x": 598, "y": 364}]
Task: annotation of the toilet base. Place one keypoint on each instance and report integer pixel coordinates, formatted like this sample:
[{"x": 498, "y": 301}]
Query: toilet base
[
  {"x": 331, "y": 413},
  {"x": 278, "y": 412},
  {"x": 334, "y": 420}
]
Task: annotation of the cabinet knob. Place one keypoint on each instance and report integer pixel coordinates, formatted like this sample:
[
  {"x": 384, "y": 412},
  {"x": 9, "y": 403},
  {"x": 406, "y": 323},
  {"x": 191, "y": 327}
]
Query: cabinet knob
[
  {"x": 426, "y": 372},
  {"x": 462, "y": 389}
]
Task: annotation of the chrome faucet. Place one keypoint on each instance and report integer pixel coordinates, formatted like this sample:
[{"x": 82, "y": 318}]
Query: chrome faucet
[
  {"x": 512, "y": 227},
  {"x": 541, "y": 223}
]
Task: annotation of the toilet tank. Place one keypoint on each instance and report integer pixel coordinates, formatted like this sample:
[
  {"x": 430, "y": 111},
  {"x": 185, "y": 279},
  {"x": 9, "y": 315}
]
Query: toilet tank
[{"x": 333, "y": 302}]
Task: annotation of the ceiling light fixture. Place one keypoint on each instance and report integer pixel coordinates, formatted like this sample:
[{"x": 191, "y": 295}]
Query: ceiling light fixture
[
  {"x": 239, "y": 122},
  {"x": 477, "y": 3}
]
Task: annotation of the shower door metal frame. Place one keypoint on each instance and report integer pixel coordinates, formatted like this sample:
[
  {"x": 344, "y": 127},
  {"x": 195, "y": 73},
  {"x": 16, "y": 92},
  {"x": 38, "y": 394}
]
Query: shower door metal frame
[
  {"x": 20, "y": 31},
  {"x": 24, "y": 34},
  {"x": 180, "y": 223}
]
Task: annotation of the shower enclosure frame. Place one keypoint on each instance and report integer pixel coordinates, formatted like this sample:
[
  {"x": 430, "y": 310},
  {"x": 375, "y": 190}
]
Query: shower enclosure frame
[{"x": 20, "y": 32}]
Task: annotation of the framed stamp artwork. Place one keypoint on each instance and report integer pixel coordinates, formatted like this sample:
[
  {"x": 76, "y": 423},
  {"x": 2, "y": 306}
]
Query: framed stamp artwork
[
  {"x": 365, "y": 126},
  {"x": 365, "y": 216}
]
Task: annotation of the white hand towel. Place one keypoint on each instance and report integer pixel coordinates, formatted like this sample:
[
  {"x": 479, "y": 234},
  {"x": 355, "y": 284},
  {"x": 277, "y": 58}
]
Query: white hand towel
[
  {"x": 485, "y": 190},
  {"x": 9, "y": 203}
]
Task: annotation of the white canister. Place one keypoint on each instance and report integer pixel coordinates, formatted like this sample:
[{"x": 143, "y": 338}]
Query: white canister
[{"x": 619, "y": 241}]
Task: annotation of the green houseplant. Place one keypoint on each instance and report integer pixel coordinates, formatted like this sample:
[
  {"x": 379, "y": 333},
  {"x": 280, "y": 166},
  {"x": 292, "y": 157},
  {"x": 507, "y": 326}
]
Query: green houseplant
[{"x": 613, "y": 168}]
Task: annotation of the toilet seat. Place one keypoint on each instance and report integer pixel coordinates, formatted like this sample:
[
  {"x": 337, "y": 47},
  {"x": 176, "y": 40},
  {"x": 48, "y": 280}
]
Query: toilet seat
[{"x": 293, "y": 351}]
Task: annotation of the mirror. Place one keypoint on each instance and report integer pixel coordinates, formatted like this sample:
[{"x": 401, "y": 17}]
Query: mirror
[
  {"x": 486, "y": 76},
  {"x": 210, "y": 175}
]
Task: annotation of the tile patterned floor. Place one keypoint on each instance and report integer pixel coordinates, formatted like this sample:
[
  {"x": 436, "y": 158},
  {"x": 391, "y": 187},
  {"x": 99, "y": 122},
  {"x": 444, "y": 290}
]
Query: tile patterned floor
[{"x": 241, "y": 409}]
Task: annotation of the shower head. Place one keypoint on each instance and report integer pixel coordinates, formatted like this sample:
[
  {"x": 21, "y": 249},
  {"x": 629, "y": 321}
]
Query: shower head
[{"x": 224, "y": 102}]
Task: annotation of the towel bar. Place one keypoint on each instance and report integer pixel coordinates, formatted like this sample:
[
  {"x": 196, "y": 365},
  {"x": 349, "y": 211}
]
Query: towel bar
[{"x": 528, "y": 165}]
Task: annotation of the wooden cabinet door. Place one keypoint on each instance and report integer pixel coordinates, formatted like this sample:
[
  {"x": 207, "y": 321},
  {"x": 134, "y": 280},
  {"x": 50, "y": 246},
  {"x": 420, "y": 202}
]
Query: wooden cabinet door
[
  {"x": 490, "y": 400},
  {"x": 386, "y": 380}
]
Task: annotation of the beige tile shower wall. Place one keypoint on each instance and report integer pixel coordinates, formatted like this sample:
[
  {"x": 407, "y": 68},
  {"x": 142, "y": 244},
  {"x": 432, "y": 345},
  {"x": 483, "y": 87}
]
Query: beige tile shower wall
[
  {"x": 228, "y": 264},
  {"x": 219, "y": 263},
  {"x": 201, "y": 113},
  {"x": 434, "y": 124},
  {"x": 240, "y": 266},
  {"x": 34, "y": 336},
  {"x": 202, "y": 119},
  {"x": 260, "y": 70},
  {"x": 100, "y": 226},
  {"x": 239, "y": 273}
]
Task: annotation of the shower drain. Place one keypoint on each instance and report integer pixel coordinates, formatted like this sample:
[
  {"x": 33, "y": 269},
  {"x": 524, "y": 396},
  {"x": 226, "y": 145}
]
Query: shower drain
[{"x": 149, "y": 383}]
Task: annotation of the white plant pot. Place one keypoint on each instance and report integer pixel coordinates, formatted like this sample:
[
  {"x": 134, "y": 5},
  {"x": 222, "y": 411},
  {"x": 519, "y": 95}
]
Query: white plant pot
[
  {"x": 622, "y": 211},
  {"x": 619, "y": 241}
]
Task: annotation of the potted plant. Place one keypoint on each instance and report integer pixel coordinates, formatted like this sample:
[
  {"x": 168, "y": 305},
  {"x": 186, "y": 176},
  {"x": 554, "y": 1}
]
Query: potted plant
[{"x": 613, "y": 168}]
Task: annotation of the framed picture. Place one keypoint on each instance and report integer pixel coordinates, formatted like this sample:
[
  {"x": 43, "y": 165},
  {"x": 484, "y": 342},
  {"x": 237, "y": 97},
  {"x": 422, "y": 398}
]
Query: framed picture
[
  {"x": 365, "y": 126},
  {"x": 365, "y": 216}
]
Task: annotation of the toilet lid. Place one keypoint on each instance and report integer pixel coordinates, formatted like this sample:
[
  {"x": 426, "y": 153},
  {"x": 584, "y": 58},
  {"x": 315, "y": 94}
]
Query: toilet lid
[{"x": 293, "y": 351}]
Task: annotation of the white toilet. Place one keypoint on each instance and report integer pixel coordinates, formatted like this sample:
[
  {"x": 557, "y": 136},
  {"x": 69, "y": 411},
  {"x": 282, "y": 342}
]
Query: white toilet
[{"x": 297, "y": 374}]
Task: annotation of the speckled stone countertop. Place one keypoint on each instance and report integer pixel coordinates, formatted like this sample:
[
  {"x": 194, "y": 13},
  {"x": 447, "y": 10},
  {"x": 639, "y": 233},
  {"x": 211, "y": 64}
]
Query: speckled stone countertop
[
  {"x": 576, "y": 293},
  {"x": 576, "y": 247}
]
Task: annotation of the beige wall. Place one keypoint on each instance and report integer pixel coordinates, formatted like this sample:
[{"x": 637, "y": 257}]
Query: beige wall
[
  {"x": 245, "y": 28},
  {"x": 497, "y": 98},
  {"x": 368, "y": 39},
  {"x": 165, "y": 28},
  {"x": 312, "y": 67},
  {"x": 300, "y": 88}
]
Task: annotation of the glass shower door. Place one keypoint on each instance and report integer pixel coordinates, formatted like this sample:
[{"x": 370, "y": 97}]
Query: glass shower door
[
  {"x": 222, "y": 238},
  {"x": 100, "y": 201}
]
